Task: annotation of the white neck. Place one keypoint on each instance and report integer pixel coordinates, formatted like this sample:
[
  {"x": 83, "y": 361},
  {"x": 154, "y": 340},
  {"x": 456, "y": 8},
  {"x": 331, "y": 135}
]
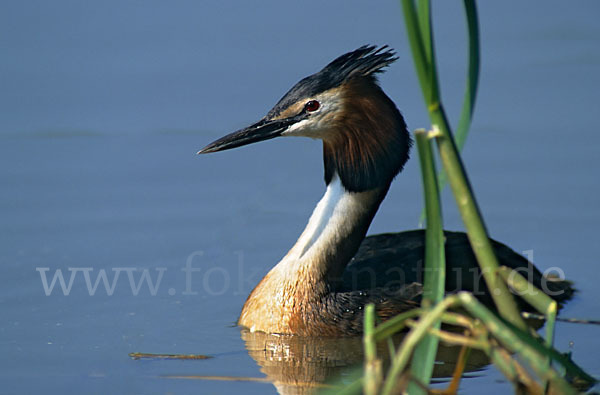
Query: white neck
[
  {"x": 283, "y": 299},
  {"x": 334, "y": 218},
  {"x": 333, "y": 233}
]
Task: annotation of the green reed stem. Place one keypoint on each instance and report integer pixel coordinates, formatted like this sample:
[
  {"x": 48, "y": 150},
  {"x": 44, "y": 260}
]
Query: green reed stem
[
  {"x": 435, "y": 263},
  {"x": 427, "y": 320},
  {"x": 536, "y": 298},
  {"x": 530, "y": 349},
  {"x": 395, "y": 324},
  {"x": 426, "y": 32},
  {"x": 372, "y": 376},
  {"x": 454, "y": 168},
  {"x": 435, "y": 259},
  {"x": 418, "y": 48},
  {"x": 466, "y": 115}
]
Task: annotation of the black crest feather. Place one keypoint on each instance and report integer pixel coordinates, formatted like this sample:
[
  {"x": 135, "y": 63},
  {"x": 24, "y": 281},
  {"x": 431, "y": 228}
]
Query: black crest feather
[{"x": 362, "y": 62}]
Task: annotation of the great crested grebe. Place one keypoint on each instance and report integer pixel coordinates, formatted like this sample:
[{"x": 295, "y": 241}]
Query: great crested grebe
[{"x": 321, "y": 285}]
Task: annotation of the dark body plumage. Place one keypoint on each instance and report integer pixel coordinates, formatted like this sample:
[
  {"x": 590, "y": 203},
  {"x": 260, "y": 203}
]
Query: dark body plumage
[{"x": 388, "y": 270}]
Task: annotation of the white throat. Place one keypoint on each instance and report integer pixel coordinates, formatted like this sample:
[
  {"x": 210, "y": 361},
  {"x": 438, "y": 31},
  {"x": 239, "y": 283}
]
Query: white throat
[
  {"x": 333, "y": 220},
  {"x": 327, "y": 218}
]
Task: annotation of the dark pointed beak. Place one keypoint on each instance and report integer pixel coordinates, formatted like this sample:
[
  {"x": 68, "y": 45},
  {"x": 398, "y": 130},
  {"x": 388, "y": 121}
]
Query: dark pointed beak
[{"x": 264, "y": 129}]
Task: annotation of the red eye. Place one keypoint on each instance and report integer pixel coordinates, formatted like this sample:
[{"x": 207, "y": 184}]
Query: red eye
[{"x": 312, "y": 105}]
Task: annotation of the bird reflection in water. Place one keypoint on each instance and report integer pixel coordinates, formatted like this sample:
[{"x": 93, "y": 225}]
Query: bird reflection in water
[{"x": 302, "y": 365}]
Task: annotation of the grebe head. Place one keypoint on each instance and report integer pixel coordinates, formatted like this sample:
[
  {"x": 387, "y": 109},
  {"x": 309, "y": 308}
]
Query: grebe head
[{"x": 365, "y": 140}]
